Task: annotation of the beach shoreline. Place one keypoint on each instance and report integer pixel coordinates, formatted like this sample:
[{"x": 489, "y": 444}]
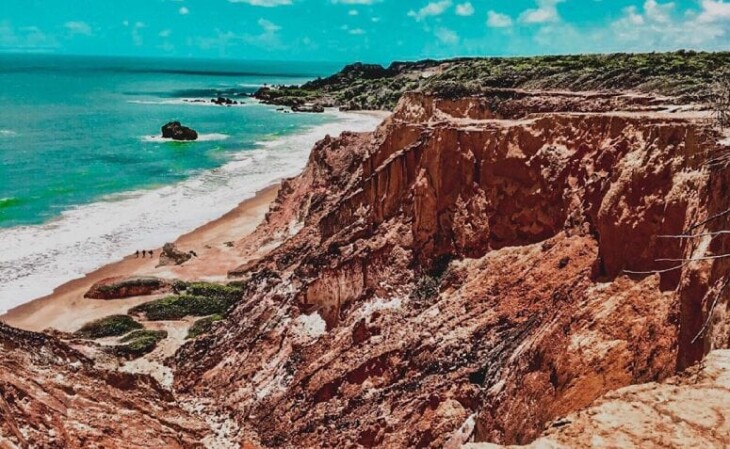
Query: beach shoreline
[{"x": 66, "y": 309}]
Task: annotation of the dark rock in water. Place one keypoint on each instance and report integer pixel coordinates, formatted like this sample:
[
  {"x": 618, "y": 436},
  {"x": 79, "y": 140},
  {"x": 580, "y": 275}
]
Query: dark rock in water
[
  {"x": 314, "y": 108},
  {"x": 223, "y": 101},
  {"x": 176, "y": 131},
  {"x": 173, "y": 256}
]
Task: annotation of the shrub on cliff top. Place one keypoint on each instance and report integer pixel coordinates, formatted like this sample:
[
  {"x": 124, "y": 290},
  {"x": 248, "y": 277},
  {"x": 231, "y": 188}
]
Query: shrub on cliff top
[{"x": 110, "y": 326}]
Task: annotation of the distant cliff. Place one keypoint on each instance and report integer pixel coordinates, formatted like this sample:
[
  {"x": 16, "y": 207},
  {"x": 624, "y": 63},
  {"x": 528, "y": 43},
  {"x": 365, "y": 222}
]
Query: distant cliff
[{"x": 687, "y": 75}]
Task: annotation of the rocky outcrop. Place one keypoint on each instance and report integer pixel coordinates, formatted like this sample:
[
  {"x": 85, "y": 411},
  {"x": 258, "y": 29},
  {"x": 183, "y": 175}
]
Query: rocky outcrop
[
  {"x": 51, "y": 396},
  {"x": 223, "y": 101},
  {"x": 176, "y": 131},
  {"x": 171, "y": 255},
  {"x": 120, "y": 288},
  {"x": 311, "y": 108},
  {"x": 477, "y": 266},
  {"x": 685, "y": 411}
]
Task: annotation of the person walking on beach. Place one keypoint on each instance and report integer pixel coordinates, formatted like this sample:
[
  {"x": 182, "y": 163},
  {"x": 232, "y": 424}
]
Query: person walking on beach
[
  {"x": 152, "y": 253},
  {"x": 136, "y": 254},
  {"x": 144, "y": 253}
]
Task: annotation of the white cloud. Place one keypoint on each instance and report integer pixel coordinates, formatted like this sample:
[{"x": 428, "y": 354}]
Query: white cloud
[
  {"x": 165, "y": 33},
  {"x": 714, "y": 11},
  {"x": 447, "y": 36},
  {"x": 357, "y": 31},
  {"x": 25, "y": 39},
  {"x": 184, "y": 11},
  {"x": 264, "y": 3},
  {"x": 76, "y": 27},
  {"x": 546, "y": 11},
  {"x": 352, "y": 12},
  {"x": 356, "y": 2},
  {"x": 659, "y": 27},
  {"x": 465, "y": 9},
  {"x": 268, "y": 26},
  {"x": 498, "y": 20},
  {"x": 659, "y": 13},
  {"x": 430, "y": 10}
]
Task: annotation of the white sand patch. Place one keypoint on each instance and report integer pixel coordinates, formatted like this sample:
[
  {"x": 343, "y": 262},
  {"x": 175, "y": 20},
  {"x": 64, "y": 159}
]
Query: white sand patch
[{"x": 312, "y": 326}]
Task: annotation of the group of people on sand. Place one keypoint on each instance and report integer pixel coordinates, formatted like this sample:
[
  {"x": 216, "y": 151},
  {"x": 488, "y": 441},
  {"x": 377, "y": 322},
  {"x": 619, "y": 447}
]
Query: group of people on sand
[{"x": 144, "y": 253}]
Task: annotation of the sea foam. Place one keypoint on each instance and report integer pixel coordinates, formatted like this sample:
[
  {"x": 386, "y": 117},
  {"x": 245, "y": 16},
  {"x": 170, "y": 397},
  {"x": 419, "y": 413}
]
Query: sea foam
[{"x": 36, "y": 259}]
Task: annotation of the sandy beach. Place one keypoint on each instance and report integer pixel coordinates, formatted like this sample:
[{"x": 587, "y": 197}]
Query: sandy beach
[{"x": 66, "y": 309}]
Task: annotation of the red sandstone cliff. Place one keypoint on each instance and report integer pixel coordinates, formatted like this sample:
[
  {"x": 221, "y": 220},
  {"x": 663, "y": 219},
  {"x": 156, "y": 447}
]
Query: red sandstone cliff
[
  {"x": 473, "y": 270},
  {"x": 471, "y": 262}
]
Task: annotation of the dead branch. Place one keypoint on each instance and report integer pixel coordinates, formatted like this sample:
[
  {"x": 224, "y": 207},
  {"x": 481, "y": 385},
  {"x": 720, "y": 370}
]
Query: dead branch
[
  {"x": 658, "y": 271},
  {"x": 695, "y": 259},
  {"x": 712, "y": 218},
  {"x": 706, "y": 325}
]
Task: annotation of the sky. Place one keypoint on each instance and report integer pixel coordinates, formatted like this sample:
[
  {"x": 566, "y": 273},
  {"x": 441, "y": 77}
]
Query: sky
[{"x": 364, "y": 30}]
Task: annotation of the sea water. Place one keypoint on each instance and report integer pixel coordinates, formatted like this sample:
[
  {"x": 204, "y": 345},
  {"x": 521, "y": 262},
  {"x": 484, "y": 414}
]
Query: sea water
[{"x": 86, "y": 179}]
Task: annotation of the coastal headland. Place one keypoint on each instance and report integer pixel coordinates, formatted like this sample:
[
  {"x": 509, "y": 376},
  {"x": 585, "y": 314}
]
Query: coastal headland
[{"x": 524, "y": 252}]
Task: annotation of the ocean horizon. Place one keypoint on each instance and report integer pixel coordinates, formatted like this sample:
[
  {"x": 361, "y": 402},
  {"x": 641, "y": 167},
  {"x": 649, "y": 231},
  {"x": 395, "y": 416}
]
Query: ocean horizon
[{"x": 80, "y": 143}]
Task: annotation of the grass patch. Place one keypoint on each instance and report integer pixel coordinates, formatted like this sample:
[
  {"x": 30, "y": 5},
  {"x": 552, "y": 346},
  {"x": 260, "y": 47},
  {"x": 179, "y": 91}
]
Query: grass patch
[
  {"x": 203, "y": 326},
  {"x": 111, "y": 326},
  {"x": 198, "y": 299},
  {"x": 139, "y": 343}
]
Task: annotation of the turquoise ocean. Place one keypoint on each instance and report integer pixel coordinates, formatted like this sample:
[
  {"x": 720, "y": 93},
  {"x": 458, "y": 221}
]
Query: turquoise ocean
[{"x": 85, "y": 178}]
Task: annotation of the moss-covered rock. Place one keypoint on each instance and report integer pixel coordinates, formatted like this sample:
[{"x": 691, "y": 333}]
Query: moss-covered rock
[
  {"x": 111, "y": 326},
  {"x": 119, "y": 288}
]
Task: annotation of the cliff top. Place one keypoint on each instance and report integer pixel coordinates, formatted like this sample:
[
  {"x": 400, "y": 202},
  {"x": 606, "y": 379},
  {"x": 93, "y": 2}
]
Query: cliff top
[{"x": 687, "y": 75}]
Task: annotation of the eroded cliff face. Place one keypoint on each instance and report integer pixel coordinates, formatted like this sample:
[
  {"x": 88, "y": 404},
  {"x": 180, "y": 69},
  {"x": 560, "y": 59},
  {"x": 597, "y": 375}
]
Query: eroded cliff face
[
  {"x": 474, "y": 269},
  {"x": 51, "y": 396}
]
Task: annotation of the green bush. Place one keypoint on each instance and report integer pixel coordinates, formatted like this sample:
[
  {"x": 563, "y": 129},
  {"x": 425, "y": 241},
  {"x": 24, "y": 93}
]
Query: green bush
[
  {"x": 199, "y": 299},
  {"x": 139, "y": 343},
  {"x": 151, "y": 282},
  {"x": 111, "y": 326},
  {"x": 203, "y": 325}
]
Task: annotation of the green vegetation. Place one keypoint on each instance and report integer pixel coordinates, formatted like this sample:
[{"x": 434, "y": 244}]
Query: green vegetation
[
  {"x": 150, "y": 282},
  {"x": 203, "y": 325},
  {"x": 139, "y": 343},
  {"x": 688, "y": 75},
  {"x": 198, "y": 299},
  {"x": 110, "y": 326}
]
